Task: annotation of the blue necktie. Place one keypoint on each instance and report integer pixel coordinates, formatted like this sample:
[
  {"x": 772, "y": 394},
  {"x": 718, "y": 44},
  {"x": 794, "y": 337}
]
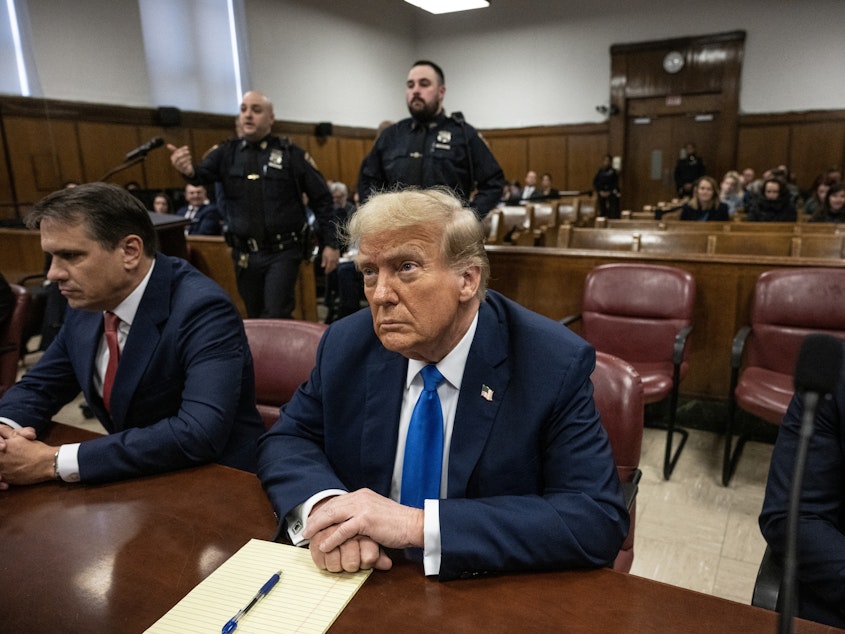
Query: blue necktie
[{"x": 424, "y": 445}]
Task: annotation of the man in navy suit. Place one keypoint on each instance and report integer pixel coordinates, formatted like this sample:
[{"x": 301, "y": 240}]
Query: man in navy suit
[
  {"x": 205, "y": 218},
  {"x": 183, "y": 392},
  {"x": 821, "y": 520},
  {"x": 527, "y": 480}
]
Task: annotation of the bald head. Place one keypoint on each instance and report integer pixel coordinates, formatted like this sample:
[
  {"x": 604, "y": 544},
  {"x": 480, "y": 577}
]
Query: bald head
[{"x": 256, "y": 115}]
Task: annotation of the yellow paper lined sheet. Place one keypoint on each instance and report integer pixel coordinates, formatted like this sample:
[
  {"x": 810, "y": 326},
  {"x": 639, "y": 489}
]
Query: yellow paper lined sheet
[{"x": 305, "y": 599}]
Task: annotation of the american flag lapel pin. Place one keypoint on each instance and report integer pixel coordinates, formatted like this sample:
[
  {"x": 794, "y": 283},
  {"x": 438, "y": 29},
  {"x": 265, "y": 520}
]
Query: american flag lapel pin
[{"x": 486, "y": 393}]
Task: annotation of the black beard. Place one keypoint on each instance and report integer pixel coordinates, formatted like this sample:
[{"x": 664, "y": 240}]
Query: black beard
[{"x": 427, "y": 114}]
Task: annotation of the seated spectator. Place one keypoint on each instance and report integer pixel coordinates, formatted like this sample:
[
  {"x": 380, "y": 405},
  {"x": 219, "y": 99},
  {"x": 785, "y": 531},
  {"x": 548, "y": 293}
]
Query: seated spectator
[
  {"x": 833, "y": 208},
  {"x": 162, "y": 204},
  {"x": 510, "y": 193},
  {"x": 818, "y": 191},
  {"x": 519, "y": 475},
  {"x": 206, "y": 219},
  {"x": 344, "y": 280},
  {"x": 821, "y": 521},
  {"x": 172, "y": 378},
  {"x": 530, "y": 191},
  {"x": 731, "y": 193},
  {"x": 788, "y": 179},
  {"x": 547, "y": 192},
  {"x": 704, "y": 204},
  {"x": 772, "y": 205}
]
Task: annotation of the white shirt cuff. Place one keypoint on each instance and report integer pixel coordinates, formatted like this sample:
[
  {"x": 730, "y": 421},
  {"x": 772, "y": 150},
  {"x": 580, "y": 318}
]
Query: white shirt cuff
[
  {"x": 431, "y": 537},
  {"x": 9, "y": 422},
  {"x": 297, "y": 519},
  {"x": 68, "y": 462}
]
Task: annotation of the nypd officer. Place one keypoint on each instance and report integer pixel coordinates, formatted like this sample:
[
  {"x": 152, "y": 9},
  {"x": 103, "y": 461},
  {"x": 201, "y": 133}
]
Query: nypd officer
[
  {"x": 430, "y": 148},
  {"x": 263, "y": 178}
]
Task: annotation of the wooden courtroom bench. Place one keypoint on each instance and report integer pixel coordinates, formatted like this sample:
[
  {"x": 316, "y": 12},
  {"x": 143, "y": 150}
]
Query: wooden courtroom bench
[{"x": 550, "y": 281}]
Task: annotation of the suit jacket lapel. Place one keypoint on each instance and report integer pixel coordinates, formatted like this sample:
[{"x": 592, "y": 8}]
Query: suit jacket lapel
[
  {"x": 385, "y": 381},
  {"x": 143, "y": 339},
  {"x": 475, "y": 415}
]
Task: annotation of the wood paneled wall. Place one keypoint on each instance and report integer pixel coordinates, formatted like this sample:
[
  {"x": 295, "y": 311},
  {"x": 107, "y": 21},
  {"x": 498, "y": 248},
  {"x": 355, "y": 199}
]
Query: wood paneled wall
[{"x": 46, "y": 143}]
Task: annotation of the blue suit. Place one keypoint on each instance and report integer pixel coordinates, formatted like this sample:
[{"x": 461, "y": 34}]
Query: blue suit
[
  {"x": 821, "y": 522},
  {"x": 184, "y": 393},
  {"x": 208, "y": 221},
  {"x": 531, "y": 482}
]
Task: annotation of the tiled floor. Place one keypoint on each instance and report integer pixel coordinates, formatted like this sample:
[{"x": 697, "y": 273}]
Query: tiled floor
[{"x": 691, "y": 531}]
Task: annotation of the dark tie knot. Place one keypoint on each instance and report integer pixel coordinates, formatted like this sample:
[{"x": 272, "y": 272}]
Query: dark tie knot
[{"x": 431, "y": 378}]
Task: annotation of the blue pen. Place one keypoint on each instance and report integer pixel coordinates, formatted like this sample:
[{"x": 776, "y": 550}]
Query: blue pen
[{"x": 265, "y": 590}]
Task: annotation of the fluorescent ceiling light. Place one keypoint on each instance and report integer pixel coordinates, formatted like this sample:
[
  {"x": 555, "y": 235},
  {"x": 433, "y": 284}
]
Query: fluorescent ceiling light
[{"x": 448, "y": 6}]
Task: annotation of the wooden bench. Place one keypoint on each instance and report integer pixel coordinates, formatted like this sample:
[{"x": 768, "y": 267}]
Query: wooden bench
[{"x": 664, "y": 240}]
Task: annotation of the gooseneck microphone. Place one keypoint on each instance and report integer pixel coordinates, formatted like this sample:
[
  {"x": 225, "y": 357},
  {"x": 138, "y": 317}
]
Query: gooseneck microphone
[
  {"x": 142, "y": 150},
  {"x": 816, "y": 375}
]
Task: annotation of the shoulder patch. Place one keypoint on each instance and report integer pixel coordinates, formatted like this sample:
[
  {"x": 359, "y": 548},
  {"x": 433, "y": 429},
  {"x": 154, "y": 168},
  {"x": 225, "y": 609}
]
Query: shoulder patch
[{"x": 210, "y": 150}]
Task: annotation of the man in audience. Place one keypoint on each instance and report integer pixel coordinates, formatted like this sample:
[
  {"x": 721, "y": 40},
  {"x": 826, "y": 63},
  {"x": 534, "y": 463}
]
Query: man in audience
[
  {"x": 821, "y": 522},
  {"x": 529, "y": 190},
  {"x": 264, "y": 178},
  {"x": 519, "y": 472},
  {"x": 205, "y": 218},
  {"x": 345, "y": 279},
  {"x": 431, "y": 148},
  {"x": 157, "y": 348},
  {"x": 688, "y": 169}
]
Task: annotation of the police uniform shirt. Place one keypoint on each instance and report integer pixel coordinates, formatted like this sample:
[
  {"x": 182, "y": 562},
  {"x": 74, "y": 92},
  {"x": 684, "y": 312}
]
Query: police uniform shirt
[
  {"x": 285, "y": 172},
  {"x": 447, "y": 150}
]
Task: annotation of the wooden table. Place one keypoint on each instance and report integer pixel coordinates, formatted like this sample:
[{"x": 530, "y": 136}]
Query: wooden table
[{"x": 116, "y": 557}]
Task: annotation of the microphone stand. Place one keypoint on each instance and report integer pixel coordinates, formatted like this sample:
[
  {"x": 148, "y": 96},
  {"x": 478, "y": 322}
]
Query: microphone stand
[
  {"x": 790, "y": 564},
  {"x": 123, "y": 166}
]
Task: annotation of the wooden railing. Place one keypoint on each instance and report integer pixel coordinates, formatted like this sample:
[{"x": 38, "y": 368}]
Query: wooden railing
[{"x": 550, "y": 281}]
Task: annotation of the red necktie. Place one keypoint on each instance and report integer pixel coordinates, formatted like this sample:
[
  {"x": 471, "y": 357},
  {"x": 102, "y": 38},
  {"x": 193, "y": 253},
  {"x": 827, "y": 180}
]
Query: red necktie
[{"x": 112, "y": 321}]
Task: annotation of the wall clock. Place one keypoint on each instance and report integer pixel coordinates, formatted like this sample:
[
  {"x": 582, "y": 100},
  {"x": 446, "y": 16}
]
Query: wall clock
[{"x": 673, "y": 62}]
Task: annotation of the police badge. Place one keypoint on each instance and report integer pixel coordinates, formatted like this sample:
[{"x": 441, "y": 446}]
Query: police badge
[
  {"x": 444, "y": 138},
  {"x": 275, "y": 160}
]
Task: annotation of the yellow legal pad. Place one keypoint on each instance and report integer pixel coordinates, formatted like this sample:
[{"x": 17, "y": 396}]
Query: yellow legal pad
[{"x": 305, "y": 599}]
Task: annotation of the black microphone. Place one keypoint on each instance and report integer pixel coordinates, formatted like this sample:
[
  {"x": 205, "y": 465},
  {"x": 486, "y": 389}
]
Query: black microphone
[
  {"x": 816, "y": 375},
  {"x": 142, "y": 150}
]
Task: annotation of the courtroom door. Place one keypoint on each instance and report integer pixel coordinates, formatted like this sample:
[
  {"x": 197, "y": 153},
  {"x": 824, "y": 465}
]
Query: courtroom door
[{"x": 654, "y": 144}]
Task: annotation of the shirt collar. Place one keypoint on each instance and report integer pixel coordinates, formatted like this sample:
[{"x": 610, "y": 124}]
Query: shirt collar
[
  {"x": 452, "y": 365},
  {"x": 127, "y": 309}
]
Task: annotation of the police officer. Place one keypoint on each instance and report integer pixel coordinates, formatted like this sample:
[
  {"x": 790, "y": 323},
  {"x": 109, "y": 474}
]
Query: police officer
[
  {"x": 431, "y": 148},
  {"x": 263, "y": 178}
]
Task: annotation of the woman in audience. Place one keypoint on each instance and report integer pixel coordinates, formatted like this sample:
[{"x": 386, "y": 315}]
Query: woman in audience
[
  {"x": 731, "y": 192},
  {"x": 833, "y": 209},
  {"x": 704, "y": 203},
  {"x": 818, "y": 191},
  {"x": 547, "y": 192},
  {"x": 162, "y": 204},
  {"x": 772, "y": 204}
]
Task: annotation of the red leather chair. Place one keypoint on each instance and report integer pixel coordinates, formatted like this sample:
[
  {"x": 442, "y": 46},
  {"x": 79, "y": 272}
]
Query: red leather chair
[
  {"x": 788, "y": 304},
  {"x": 11, "y": 337},
  {"x": 619, "y": 399},
  {"x": 643, "y": 313},
  {"x": 284, "y": 352}
]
